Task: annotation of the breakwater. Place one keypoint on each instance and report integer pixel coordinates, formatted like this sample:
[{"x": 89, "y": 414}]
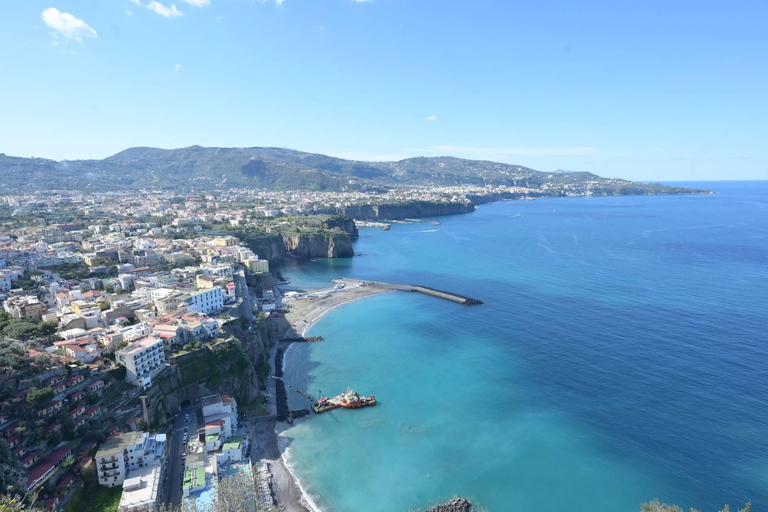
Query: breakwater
[
  {"x": 426, "y": 290},
  {"x": 310, "y": 339}
]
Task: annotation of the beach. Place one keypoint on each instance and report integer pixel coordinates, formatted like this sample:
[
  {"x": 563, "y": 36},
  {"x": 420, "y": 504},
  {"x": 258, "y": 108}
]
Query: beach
[{"x": 304, "y": 312}]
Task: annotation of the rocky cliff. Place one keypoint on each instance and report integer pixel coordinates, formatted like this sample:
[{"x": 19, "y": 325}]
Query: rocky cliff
[
  {"x": 236, "y": 368},
  {"x": 319, "y": 246},
  {"x": 314, "y": 236},
  {"x": 413, "y": 209},
  {"x": 270, "y": 247}
]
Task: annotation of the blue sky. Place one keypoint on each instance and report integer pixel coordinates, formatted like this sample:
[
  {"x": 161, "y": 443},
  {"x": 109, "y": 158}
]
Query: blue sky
[{"x": 642, "y": 90}]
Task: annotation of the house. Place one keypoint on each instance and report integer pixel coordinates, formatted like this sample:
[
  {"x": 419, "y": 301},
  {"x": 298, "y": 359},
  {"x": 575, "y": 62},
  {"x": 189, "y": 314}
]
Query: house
[
  {"x": 74, "y": 381},
  {"x": 76, "y": 396},
  {"x": 78, "y": 411},
  {"x": 43, "y": 470},
  {"x": 51, "y": 407},
  {"x": 92, "y": 412},
  {"x": 30, "y": 460},
  {"x": 53, "y": 427},
  {"x": 95, "y": 387}
]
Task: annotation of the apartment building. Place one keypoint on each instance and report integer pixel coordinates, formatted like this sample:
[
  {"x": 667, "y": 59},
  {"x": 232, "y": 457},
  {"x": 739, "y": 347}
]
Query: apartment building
[
  {"x": 206, "y": 301},
  {"x": 143, "y": 360},
  {"x": 24, "y": 307}
]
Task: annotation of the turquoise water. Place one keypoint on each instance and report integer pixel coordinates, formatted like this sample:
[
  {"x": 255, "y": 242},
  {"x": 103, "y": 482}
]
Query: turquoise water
[{"x": 621, "y": 355}]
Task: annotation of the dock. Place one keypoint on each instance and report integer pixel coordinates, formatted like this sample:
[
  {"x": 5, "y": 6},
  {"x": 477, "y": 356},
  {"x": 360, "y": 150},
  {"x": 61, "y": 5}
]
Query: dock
[
  {"x": 414, "y": 288},
  {"x": 310, "y": 339}
]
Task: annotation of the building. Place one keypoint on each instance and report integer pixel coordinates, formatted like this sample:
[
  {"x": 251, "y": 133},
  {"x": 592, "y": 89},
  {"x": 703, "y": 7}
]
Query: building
[
  {"x": 143, "y": 359},
  {"x": 123, "y": 454},
  {"x": 140, "y": 490},
  {"x": 43, "y": 470},
  {"x": 206, "y": 301},
  {"x": 24, "y": 307},
  {"x": 220, "y": 408},
  {"x": 257, "y": 266}
]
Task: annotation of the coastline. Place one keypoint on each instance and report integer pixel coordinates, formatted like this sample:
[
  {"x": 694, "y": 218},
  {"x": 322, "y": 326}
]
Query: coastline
[{"x": 303, "y": 315}]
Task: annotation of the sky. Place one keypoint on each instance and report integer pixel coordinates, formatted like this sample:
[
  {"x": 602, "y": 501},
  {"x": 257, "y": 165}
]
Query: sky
[{"x": 653, "y": 90}]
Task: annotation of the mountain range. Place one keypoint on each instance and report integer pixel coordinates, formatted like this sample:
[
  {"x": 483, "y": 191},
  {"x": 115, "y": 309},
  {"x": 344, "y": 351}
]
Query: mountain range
[{"x": 202, "y": 168}]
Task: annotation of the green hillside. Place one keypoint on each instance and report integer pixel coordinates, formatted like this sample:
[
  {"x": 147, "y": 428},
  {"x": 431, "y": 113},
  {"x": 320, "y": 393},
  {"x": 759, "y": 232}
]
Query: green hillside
[{"x": 276, "y": 169}]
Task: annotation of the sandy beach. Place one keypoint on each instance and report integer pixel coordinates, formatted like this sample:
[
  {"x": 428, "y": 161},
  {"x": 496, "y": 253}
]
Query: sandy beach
[{"x": 304, "y": 312}]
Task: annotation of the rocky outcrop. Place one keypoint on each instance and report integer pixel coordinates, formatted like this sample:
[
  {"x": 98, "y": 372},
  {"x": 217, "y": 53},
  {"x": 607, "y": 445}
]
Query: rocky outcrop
[
  {"x": 318, "y": 236},
  {"x": 408, "y": 210},
  {"x": 319, "y": 246},
  {"x": 226, "y": 369},
  {"x": 455, "y": 505},
  {"x": 269, "y": 247}
]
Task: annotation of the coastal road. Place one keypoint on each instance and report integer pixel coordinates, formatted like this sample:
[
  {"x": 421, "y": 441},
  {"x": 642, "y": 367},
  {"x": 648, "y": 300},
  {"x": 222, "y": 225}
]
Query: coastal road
[
  {"x": 242, "y": 293},
  {"x": 175, "y": 467}
]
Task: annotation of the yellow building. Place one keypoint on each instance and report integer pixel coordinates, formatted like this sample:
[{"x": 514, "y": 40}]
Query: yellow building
[{"x": 258, "y": 266}]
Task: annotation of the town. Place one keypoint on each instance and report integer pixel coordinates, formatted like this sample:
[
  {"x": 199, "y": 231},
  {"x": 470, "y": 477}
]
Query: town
[{"x": 139, "y": 331}]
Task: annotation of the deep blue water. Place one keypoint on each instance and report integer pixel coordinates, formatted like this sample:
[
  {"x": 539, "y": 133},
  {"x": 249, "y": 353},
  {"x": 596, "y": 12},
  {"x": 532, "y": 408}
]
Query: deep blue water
[{"x": 621, "y": 355}]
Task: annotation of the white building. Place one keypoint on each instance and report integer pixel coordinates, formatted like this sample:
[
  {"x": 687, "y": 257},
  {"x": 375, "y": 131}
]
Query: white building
[
  {"x": 134, "y": 461},
  {"x": 143, "y": 360},
  {"x": 140, "y": 491},
  {"x": 220, "y": 410},
  {"x": 206, "y": 301},
  {"x": 124, "y": 453}
]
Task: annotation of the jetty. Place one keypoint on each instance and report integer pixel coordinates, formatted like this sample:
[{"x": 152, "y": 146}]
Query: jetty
[
  {"x": 302, "y": 339},
  {"x": 414, "y": 288}
]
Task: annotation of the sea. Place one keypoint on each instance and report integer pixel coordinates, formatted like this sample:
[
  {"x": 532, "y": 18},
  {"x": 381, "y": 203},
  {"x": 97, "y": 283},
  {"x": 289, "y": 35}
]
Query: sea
[{"x": 621, "y": 355}]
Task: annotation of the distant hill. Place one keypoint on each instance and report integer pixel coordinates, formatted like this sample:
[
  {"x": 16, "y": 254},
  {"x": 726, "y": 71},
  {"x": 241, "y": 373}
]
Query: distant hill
[{"x": 202, "y": 168}]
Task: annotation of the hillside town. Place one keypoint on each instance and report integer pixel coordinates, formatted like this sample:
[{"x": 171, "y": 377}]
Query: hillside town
[
  {"x": 93, "y": 315},
  {"x": 133, "y": 323}
]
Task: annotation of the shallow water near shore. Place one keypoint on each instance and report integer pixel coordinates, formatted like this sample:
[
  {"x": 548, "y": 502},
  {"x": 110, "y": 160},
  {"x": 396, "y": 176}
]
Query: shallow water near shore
[{"x": 620, "y": 356}]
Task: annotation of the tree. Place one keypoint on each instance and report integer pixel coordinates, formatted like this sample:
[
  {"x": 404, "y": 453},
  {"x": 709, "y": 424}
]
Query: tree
[
  {"x": 122, "y": 345},
  {"x": 21, "y": 329},
  {"x": 48, "y": 328},
  {"x": 15, "y": 502},
  {"x": 657, "y": 506},
  {"x": 40, "y": 397},
  {"x": 42, "y": 361},
  {"x": 54, "y": 439}
]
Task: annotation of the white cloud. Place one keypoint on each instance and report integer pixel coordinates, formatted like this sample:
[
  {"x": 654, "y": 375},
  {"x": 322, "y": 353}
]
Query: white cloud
[
  {"x": 177, "y": 68},
  {"x": 572, "y": 151},
  {"x": 431, "y": 118},
  {"x": 137, "y": 2},
  {"x": 128, "y": 12},
  {"x": 162, "y": 10},
  {"x": 67, "y": 25},
  {"x": 198, "y": 3}
]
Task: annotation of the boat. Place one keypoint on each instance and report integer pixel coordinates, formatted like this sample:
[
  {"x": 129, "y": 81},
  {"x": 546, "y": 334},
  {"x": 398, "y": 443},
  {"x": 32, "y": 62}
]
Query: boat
[{"x": 349, "y": 400}]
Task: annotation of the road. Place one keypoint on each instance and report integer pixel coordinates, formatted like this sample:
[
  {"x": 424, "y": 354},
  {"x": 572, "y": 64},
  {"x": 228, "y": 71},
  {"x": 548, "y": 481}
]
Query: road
[
  {"x": 242, "y": 293},
  {"x": 175, "y": 465}
]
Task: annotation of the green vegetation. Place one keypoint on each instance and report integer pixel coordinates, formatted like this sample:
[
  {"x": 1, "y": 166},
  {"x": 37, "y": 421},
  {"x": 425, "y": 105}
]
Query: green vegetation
[
  {"x": 93, "y": 497},
  {"x": 39, "y": 397},
  {"x": 279, "y": 169},
  {"x": 21, "y": 329},
  {"x": 13, "y": 355}
]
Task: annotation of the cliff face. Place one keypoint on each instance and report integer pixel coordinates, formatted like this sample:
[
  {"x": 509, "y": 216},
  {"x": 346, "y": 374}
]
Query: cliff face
[
  {"x": 269, "y": 247},
  {"x": 319, "y": 246},
  {"x": 320, "y": 237},
  {"x": 203, "y": 372},
  {"x": 416, "y": 209}
]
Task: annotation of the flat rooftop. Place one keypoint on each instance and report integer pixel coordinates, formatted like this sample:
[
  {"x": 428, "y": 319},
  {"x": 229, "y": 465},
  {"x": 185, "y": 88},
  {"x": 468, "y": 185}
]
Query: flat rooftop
[
  {"x": 233, "y": 443},
  {"x": 117, "y": 444},
  {"x": 194, "y": 477},
  {"x": 141, "y": 487}
]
